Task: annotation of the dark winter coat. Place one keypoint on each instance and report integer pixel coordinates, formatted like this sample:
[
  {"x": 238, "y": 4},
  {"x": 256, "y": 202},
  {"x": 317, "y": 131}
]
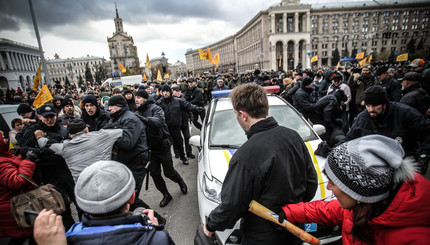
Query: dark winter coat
[
  {"x": 96, "y": 121},
  {"x": 194, "y": 96},
  {"x": 398, "y": 122},
  {"x": 11, "y": 185},
  {"x": 359, "y": 85},
  {"x": 173, "y": 108},
  {"x": 273, "y": 167},
  {"x": 415, "y": 96},
  {"x": 304, "y": 101},
  {"x": 224, "y": 87},
  {"x": 392, "y": 88}
]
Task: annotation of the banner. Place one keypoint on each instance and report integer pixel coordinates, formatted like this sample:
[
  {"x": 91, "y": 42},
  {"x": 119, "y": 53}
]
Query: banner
[
  {"x": 402, "y": 57},
  {"x": 147, "y": 63},
  {"x": 370, "y": 58},
  {"x": 166, "y": 75},
  {"x": 315, "y": 58},
  {"x": 215, "y": 60},
  {"x": 209, "y": 55},
  {"x": 159, "y": 78},
  {"x": 38, "y": 78},
  {"x": 360, "y": 56},
  {"x": 42, "y": 97},
  {"x": 202, "y": 54},
  {"x": 363, "y": 61},
  {"x": 122, "y": 68}
]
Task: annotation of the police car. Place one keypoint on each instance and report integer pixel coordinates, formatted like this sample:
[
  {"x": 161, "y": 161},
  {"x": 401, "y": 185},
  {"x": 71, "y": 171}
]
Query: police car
[{"x": 221, "y": 136}]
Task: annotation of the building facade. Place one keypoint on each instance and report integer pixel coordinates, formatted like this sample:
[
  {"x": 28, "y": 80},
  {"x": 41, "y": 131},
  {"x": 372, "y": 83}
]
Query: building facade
[
  {"x": 288, "y": 34},
  {"x": 72, "y": 68},
  {"x": 18, "y": 65},
  {"x": 121, "y": 47},
  {"x": 178, "y": 70}
]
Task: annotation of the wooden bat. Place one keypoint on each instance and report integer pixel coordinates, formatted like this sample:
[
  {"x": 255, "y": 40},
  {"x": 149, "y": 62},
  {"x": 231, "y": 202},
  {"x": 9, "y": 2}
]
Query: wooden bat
[{"x": 263, "y": 212}]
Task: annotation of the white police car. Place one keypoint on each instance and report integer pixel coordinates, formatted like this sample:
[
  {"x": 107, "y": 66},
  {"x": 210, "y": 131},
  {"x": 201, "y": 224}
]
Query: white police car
[{"x": 221, "y": 136}]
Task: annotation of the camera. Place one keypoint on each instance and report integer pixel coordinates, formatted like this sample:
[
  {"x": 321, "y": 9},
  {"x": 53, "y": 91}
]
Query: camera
[{"x": 30, "y": 216}]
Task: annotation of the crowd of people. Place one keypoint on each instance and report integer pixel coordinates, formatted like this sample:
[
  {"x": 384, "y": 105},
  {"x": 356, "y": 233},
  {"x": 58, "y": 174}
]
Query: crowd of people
[{"x": 134, "y": 129}]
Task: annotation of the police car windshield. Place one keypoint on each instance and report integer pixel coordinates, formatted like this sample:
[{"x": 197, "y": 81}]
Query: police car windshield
[{"x": 225, "y": 130}]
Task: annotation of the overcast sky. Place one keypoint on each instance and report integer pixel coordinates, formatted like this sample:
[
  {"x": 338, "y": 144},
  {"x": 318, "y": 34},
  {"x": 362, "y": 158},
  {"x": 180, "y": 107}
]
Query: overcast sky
[{"x": 76, "y": 28}]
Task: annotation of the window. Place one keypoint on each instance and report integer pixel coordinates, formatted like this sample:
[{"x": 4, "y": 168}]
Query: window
[
  {"x": 395, "y": 21},
  {"x": 406, "y": 12},
  {"x": 394, "y": 28},
  {"x": 403, "y": 41},
  {"x": 404, "y": 27},
  {"x": 405, "y": 34},
  {"x": 415, "y": 20},
  {"x": 365, "y": 29},
  {"x": 385, "y": 21},
  {"x": 396, "y": 13},
  {"x": 405, "y": 20},
  {"x": 414, "y": 27},
  {"x": 324, "y": 53},
  {"x": 374, "y": 43},
  {"x": 315, "y": 25},
  {"x": 375, "y": 14},
  {"x": 333, "y": 45},
  {"x": 335, "y": 38},
  {"x": 365, "y": 15},
  {"x": 324, "y": 45},
  {"x": 386, "y": 13},
  {"x": 393, "y": 42},
  {"x": 426, "y": 11},
  {"x": 375, "y": 28},
  {"x": 314, "y": 46},
  {"x": 354, "y": 44},
  {"x": 345, "y": 15},
  {"x": 417, "y": 11},
  {"x": 375, "y": 21},
  {"x": 343, "y": 45},
  {"x": 425, "y": 19}
]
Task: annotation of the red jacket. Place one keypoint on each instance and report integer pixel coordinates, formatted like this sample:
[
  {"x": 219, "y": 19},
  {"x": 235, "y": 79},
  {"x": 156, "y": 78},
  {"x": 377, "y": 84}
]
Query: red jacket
[
  {"x": 406, "y": 220},
  {"x": 11, "y": 185}
]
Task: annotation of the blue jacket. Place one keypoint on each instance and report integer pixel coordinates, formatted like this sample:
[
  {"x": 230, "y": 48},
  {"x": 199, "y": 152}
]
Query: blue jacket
[{"x": 119, "y": 230}]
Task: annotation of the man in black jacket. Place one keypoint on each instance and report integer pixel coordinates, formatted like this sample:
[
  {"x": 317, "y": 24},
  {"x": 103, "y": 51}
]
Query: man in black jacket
[
  {"x": 92, "y": 114},
  {"x": 390, "y": 84},
  {"x": 194, "y": 96},
  {"x": 413, "y": 93},
  {"x": 158, "y": 142},
  {"x": 273, "y": 173}
]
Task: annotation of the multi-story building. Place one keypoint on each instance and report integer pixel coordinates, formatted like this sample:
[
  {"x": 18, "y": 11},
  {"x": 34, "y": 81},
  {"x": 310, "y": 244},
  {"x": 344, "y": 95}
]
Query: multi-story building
[
  {"x": 288, "y": 34},
  {"x": 122, "y": 48},
  {"x": 18, "y": 64},
  {"x": 177, "y": 70},
  {"x": 72, "y": 68}
]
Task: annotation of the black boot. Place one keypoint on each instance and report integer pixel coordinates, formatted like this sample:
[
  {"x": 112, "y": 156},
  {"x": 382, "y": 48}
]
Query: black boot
[
  {"x": 166, "y": 199},
  {"x": 184, "y": 160},
  {"x": 182, "y": 185}
]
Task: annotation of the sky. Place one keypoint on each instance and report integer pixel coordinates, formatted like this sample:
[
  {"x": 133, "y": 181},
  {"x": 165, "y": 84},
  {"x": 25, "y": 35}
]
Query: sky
[{"x": 77, "y": 28}]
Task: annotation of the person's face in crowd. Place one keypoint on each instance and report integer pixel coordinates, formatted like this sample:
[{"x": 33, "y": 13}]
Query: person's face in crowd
[
  {"x": 98, "y": 101},
  {"x": 68, "y": 109},
  {"x": 58, "y": 102},
  {"x": 305, "y": 74},
  {"x": 416, "y": 69},
  {"x": 18, "y": 126},
  {"x": 48, "y": 120},
  {"x": 26, "y": 115},
  {"x": 139, "y": 100},
  {"x": 383, "y": 76},
  {"x": 90, "y": 108},
  {"x": 220, "y": 84},
  {"x": 336, "y": 82},
  {"x": 317, "y": 79},
  {"x": 177, "y": 93},
  {"x": 344, "y": 199},
  {"x": 114, "y": 108},
  {"x": 191, "y": 84},
  {"x": 375, "y": 110},
  {"x": 298, "y": 77},
  {"x": 166, "y": 94},
  {"x": 365, "y": 71},
  {"x": 149, "y": 90},
  {"x": 128, "y": 96}
]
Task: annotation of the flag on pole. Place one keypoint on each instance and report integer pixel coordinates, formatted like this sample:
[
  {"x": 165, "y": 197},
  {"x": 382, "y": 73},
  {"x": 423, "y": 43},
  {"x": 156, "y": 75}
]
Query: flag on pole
[
  {"x": 360, "y": 56},
  {"x": 402, "y": 57},
  {"x": 280, "y": 61},
  {"x": 166, "y": 75},
  {"x": 215, "y": 60},
  {"x": 38, "y": 78},
  {"x": 209, "y": 55},
  {"x": 122, "y": 68},
  {"x": 338, "y": 64},
  {"x": 159, "y": 78},
  {"x": 42, "y": 97},
  {"x": 315, "y": 58},
  {"x": 10, "y": 145},
  {"x": 144, "y": 77},
  {"x": 202, "y": 54},
  {"x": 147, "y": 63},
  {"x": 370, "y": 58},
  {"x": 363, "y": 61}
]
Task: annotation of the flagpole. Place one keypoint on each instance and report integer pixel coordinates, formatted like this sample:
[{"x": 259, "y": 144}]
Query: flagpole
[{"x": 45, "y": 69}]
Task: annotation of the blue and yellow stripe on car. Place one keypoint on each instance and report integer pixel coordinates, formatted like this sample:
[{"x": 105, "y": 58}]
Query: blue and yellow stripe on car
[
  {"x": 228, "y": 154},
  {"x": 317, "y": 168}
]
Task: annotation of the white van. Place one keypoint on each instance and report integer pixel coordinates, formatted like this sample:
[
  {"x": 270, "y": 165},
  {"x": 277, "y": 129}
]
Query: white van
[{"x": 121, "y": 81}]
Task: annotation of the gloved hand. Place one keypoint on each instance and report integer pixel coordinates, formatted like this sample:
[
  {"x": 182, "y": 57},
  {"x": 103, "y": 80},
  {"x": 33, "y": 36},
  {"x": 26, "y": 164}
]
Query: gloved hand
[
  {"x": 142, "y": 118},
  {"x": 108, "y": 126},
  {"x": 282, "y": 216},
  {"x": 31, "y": 156},
  {"x": 199, "y": 108}
]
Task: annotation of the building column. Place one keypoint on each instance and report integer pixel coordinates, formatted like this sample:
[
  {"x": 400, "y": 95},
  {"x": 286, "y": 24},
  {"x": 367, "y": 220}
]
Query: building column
[
  {"x": 3, "y": 66},
  {"x": 296, "y": 22},
  {"x": 285, "y": 22},
  {"x": 21, "y": 57},
  {"x": 24, "y": 62},
  {"x": 273, "y": 54},
  {"x": 308, "y": 21},
  {"x": 296, "y": 54},
  {"x": 27, "y": 60},
  {"x": 18, "y": 60},
  {"x": 272, "y": 22},
  {"x": 30, "y": 62},
  {"x": 9, "y": 61},
  {"x": 35, "y": 62},
  {"x": 285, "y": 56},
  {"x": 15, "y": 62},
  {"x": 308, "y": 57}
]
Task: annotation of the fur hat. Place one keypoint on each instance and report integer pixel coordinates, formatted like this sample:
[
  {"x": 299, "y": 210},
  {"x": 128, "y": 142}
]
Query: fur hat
[
  {"x": 104, "y": 187},
  {"x": 366, "y": 168},
  {"x": 118, "y": 100},
  {"x": 375, "y": 95}
]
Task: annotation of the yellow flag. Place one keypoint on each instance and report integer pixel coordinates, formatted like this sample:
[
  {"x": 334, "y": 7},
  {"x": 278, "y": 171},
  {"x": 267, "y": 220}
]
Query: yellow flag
[
  {"x": 203, "y": 55},
  {"x": 402, "y": 57},
  {"x": 159, "y": 78},
  {"x": 147, "y": 63},
  {"x": 360, "y": 56},
  {"x": 338, "y": 64},
  {"x": 166, "y": 75},
  {"x": 42, "y": 97},
  {"x": 215, "y": 59},
  {"x": 315, "y": 58},
  {"x": 37, "y": 79},
  {"x": 209, "y": 55},
  {"x": 144, "y": 77},
  {"x": 280, "y": 61},
  {"x": 370, "y": 58},
  {"x": 121, "y": 67},
  {"x": 363, "y": 61},
  {"x": 10, "y": 145}
]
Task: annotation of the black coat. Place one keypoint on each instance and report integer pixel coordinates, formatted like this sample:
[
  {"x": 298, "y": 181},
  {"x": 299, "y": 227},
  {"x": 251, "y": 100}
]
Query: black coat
[
  {"x": 304, "y": 101},
  {"x": 274, "y": 168},
  {"x": 173, "y": 108},
  {"x": 392, "y": 88},
  {"x": 416, "y": 97},
  {"x": 58, "y": 133},
  {"x": 97, "y": 121},
  {"x": 398, "y": 121},
  {"x": 194, "y": 96}
]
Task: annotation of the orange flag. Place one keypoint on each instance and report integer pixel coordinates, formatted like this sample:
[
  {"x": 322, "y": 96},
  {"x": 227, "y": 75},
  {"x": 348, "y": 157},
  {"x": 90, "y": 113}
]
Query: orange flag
[
  {"x": 121, "y": 67},
  {"x": 42, "y": 97},
  {"x": 37, "y": 79}
]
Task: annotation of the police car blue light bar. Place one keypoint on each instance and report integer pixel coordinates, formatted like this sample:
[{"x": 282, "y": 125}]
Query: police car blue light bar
[{"x": 226, "y": 93}]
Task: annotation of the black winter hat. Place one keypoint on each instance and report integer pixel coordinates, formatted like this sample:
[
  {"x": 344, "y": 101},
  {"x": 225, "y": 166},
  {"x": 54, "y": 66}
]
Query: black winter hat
[
  {"x": 166, "y": 87},
  {"x": 67, "y": 102},
  {"x": 375, "y": 95},
  {"x": 381, "y": 70},
  {"x": 23, "y": 108},
  {"x": 76, "y": 126},
  {"x": 256, "y": 72},
  {"x": 412, "y": 76},
  {"x": 118, "y": 100},
  {"x": 127, "y": 91},
  {"x": 266, "y": 77},
  {"x": 142, "y": 93},
  {"x": 306, "y": 81},
  {"x": 89, "y": 99}
]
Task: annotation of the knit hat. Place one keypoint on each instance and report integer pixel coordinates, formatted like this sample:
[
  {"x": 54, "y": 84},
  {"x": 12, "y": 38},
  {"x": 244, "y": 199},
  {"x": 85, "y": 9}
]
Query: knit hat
[
  {"x": 306, "y": 81},
  {"x": 381, "y": 70},
  {"x": 76, "y": 126},
  {"x": 67, "y": 102},
  {"x": 104, "y": 187},
  {"x": 118, "y": 100},
  {"x": 166, "y": 87},
  {"x": 104, "y": 99},
  {"x": 127, "y": 91},
  {"x": 366, "y": 168},
  {"x": 89, "y": 99},
  {"x": 375, "y": 95},
  {"x": 23, "y": 108},
  {"x": 256, "y": 72},
  {"x": 142, "y": 93}
]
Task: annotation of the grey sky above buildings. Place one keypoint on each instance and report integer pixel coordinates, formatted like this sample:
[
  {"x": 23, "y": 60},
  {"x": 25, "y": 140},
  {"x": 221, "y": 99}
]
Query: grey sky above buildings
[{"x": 80, "y": 27}]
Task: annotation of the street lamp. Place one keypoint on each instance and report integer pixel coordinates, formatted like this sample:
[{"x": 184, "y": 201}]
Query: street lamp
[{"x": 309, "y": 59}]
